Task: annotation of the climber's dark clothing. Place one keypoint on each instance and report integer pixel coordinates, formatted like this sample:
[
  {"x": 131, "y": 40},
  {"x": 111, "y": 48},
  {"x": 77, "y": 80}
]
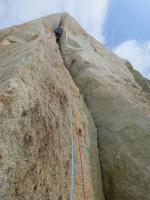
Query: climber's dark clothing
[{"x": 58, "y": 33}]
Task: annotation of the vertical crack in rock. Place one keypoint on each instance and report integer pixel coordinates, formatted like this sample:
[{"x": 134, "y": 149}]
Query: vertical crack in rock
[
  {"x": 100, "y": 196},
  {"x": 90, "y": 114}
]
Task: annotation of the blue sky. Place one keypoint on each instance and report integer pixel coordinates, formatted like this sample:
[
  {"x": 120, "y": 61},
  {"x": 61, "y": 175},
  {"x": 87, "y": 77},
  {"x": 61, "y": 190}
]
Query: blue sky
[
  {"x": 127, "y": 32},
  {"x": 127, "y": 20},
  {"x": 123, "y": 26}
]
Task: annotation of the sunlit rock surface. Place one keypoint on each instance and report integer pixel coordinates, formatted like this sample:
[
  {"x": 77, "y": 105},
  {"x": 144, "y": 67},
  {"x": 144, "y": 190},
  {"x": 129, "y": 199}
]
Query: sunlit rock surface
[{"x": 35, "y": 140}]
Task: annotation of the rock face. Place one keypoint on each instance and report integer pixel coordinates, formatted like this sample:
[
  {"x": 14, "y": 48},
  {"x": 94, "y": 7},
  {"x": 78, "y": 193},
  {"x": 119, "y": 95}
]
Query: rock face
[
  {"x": 112, "y": 102},
  {"x": 35, "y": 144}
]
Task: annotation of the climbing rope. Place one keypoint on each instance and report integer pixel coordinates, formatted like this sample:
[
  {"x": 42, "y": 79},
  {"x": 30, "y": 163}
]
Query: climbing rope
[
  {"x": 71, "y": 191},
  {"x": 79, "y": 145}
]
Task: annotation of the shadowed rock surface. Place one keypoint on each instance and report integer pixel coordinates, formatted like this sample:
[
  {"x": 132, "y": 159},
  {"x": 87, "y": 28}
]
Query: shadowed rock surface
[
  {"x": 114, "y": 120},
  {"x": 118, "y": 99}
]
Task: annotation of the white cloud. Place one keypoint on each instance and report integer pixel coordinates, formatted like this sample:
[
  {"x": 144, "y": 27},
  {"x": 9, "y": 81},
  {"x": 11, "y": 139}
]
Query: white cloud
[
  {"x": 89, "y": 13},
  {"x": 138, "y": 53}
]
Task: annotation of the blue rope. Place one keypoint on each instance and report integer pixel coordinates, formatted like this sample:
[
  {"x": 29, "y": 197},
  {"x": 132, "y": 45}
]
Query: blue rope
[{"x": 71, "y": 192}]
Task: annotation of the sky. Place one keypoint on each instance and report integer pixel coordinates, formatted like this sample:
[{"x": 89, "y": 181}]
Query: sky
[
  {"x": 122, "y": 26},
  {"x": 127, "y": 32}
]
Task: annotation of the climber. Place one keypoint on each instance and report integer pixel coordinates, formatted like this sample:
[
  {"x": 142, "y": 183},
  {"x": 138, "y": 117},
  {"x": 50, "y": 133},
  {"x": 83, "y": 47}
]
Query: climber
[{"x": 58, "y": 33}]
